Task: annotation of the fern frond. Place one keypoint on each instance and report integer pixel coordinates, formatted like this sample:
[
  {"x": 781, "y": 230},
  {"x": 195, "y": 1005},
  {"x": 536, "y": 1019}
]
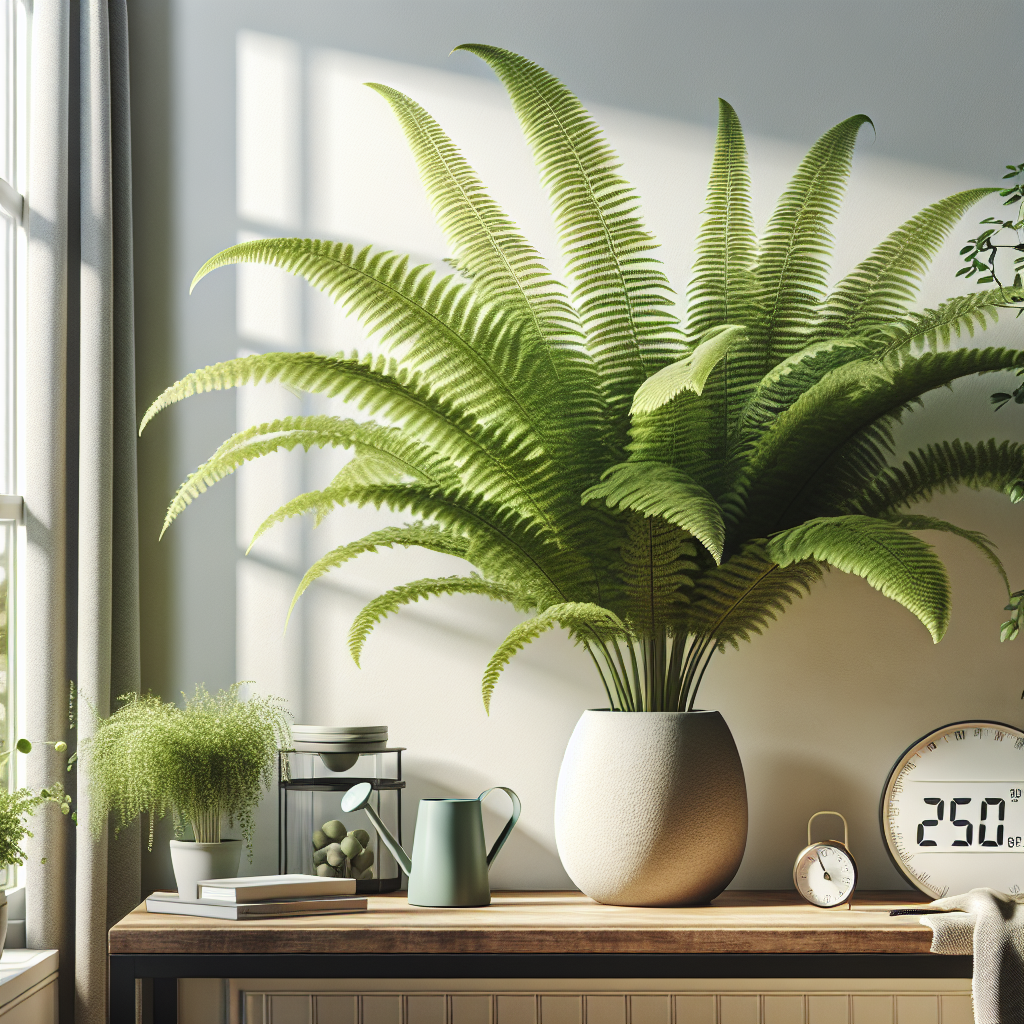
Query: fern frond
[
  {"x": 723, "y": 289},
  {"x": 810, "y": 440},
  {"x": 654, "y": 489},
  {"x": 587, "y": 622},
  {"x": 391, "y": 446},
  {"x": 690, "y": 373},
  {"x": 741, "y": 597},
  {"x": 940, "y": 468},
  {"x": 879, "y": 288},
  {"x": 488, "y": 247},
  {"x": 439, "y": 327},
  {"x": 793, "y": 261},
  {"x": 408, "y": 593},
  {"x": 622, "y": 295},
  {"x": 657, "y": 568},
  {"x": 903, "y": 567},
  {"x": 933, "y": 329},
  {"x": 979, "y": 540}
]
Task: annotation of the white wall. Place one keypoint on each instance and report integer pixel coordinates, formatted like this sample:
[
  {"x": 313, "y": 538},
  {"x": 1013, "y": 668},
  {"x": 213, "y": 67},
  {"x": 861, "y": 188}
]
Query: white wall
[{"x": 250, "y": 119}]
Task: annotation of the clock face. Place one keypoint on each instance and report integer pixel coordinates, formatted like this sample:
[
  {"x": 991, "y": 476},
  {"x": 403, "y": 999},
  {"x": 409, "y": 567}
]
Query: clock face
[
  {"x": 952, "y": 813},
  {"x": 825, "y": 874}
]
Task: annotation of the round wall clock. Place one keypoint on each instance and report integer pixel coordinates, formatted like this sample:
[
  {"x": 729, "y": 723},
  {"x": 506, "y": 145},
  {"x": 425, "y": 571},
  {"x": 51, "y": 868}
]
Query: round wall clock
[{"x": 952, "y": 813}]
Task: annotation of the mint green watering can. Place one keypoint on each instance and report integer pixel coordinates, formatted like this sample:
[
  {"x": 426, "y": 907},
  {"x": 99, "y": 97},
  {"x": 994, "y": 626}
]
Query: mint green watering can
[{"x": 451, "y": 859}]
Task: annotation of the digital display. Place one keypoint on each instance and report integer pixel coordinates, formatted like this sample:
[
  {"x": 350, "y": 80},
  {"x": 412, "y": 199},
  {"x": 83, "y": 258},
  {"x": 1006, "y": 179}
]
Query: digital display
[
  {"x": 953, "y": 811},
  {"x": 964, "y": 816}
]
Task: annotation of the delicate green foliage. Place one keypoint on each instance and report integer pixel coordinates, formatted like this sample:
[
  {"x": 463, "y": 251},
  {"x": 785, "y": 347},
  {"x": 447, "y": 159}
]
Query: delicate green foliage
[
  {"x": 1012, "y": 626},
  {"x": 15, "y": 809},
  {"x": 878, "y": 290},
  {"x": 210, "y": 759},
  {"x": 380, "y": 607},
  {"x": 892, "y": 560},
  {"x": 654, "y": 489},
  {"x": 659, "y": 495},
  {"x": 689, "y": 374},
  {"x": 587, "y": 622},
  {"x": 980, "y": 254}
]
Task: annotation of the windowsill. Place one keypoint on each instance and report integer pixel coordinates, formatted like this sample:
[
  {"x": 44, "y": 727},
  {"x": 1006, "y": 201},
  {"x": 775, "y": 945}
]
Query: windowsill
[{"x": 24, "y": 969}]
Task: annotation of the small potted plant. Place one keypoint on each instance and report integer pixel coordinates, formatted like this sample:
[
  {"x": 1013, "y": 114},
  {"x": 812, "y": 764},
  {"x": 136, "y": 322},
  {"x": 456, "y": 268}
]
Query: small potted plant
[
  {"x": 15, "y": 809},
  {"x": 205, "y": 762}
]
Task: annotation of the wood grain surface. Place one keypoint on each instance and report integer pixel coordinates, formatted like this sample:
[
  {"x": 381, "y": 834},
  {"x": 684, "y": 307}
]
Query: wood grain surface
[{"x": 549, "y": 922}]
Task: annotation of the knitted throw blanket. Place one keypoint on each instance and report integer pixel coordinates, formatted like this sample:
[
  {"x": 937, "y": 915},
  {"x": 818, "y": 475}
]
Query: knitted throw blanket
[{"x": 990, "y": 926}]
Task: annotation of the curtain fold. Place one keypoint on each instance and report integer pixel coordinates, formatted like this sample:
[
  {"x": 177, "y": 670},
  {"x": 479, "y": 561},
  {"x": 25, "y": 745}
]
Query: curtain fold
[{"x": 81, "y": 580}]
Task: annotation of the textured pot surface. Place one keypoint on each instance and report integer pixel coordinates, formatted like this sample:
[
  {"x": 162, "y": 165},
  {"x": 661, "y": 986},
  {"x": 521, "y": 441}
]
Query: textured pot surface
[
  {"x": 199, "y": 862},
  {"x": 651, "y": 807}
]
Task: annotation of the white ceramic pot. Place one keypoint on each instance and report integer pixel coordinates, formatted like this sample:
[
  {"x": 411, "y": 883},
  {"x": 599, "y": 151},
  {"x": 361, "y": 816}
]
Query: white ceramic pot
[
  {"x": 651, "y": 807},
  {"x": 198, "y": 862},
  {"x": 3, "y": 918}
]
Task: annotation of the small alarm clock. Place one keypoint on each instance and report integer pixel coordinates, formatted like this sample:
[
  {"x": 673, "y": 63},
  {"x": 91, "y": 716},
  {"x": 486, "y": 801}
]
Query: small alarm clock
[
  {"x": 825, "y": 874},
  {"x": 952, "y": 809}
]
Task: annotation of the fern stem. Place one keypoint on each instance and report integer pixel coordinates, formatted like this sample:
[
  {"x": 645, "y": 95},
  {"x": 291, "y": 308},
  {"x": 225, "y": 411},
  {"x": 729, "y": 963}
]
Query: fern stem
[
  {"x": 632, "y": 658},
  {"x": 700, "y": 678},
  {"x": 206, "y": 824},
  {"x": 604, "y": 682}
]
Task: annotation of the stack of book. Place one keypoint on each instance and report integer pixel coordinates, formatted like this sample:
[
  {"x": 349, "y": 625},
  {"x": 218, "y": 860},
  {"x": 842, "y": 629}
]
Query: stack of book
[{"x": 238, "y": 899}]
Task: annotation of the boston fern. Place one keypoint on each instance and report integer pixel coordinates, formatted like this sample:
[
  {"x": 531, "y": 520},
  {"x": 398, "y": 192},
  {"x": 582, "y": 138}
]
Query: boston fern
[{"x": 659, "y": 492}]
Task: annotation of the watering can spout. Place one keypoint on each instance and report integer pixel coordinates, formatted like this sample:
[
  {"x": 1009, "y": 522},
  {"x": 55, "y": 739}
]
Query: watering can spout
[{"x": 358, "y": 798}]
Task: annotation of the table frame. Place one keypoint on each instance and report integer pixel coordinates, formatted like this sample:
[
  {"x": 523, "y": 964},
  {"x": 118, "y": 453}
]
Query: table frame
[{"x": 166, "y": 968}]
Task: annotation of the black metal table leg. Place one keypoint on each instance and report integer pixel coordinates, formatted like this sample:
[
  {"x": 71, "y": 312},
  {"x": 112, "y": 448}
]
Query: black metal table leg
[
  {"x": 165, "y": 1001},
  {"x": 122, "y": 989}
]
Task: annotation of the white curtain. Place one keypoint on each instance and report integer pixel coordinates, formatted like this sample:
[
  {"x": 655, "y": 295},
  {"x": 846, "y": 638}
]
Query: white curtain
[{"x": 80, "y": 608}]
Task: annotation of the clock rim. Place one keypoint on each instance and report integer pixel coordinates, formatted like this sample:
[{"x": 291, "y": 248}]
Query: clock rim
[
  {"x": 882, "y": 801},
  {"x": 832, "y": 843}
]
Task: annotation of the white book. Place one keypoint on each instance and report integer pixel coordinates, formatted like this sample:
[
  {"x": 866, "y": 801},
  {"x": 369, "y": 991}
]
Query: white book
[
  {"x": 273, "y": 887},
  {"x": 168, "y": 903}
]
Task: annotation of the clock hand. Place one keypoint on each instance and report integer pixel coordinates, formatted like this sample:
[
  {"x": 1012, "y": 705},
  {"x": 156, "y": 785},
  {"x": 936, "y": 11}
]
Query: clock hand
[{"x": 828, "y": 877}]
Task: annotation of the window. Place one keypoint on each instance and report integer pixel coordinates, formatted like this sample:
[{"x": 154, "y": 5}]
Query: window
[{"x": 13, "y": 251}]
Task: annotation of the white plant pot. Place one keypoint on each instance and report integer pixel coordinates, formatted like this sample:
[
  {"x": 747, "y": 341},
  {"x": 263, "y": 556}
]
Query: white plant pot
[
  {"x": 3, "y": 918},
  {"x": 198, "y": 862},
  {"x": 651, "y": 807}
]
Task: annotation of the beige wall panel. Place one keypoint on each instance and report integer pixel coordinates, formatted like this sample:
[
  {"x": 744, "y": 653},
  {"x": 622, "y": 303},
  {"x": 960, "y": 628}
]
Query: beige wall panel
[
  {"x": 420, "y": 1010},
  {"x": 606, "y": 1009},
  {"x": 739, "y": 1010},
  {"x": 873, "y": 1009},
  {"x": 297, "y": 1009},
  {"x": 917, "y": 1010},
  {"x": 650, "y": 1010},
  {"x": 471, "y": 1009},
  {"x": 783, "y": 1009},
  {"x": 956, "y": 1010},
  {"x": 828, "y": 1009},
  {"x": 516, "y": 1010},
  {"x": 339, "y": 1010},
  {"x": 561, "y": 1010},
  {"x": 201, "y": 1000},
  {"x": 382, "y": 1010},
  {"x": 695, "y": 1010}
]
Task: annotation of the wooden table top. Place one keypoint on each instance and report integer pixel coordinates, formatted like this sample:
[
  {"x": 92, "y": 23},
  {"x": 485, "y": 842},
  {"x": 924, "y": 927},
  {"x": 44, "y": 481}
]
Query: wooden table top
[{"x": 549, "y": 922}]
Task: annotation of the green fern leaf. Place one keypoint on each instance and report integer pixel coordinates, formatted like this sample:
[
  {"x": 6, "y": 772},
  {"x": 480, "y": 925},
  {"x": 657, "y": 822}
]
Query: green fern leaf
[
  {"x": 657, "y": 568},
  {"x": 979, "y": 540},
  {"x": 419, "y": 535},
  {"x": 936, "y": 328},
  {"x": 587, "y": 622},
  {"x": 392, "y": 447},
  {"x": 879, "y": 288},
  {"x": 654, "y": 489},
  {"x": 740, "y": 598},
  {"x": 893, "y": 561},
  {"x": 793, "y": 262},
  {"x": 408, "y": 593},
  {"x": 723, "y": 289},
  {"x": 941, "y": 468},
  {"x": 688, "y": 374},
  {"x": 623, "y": 296}
]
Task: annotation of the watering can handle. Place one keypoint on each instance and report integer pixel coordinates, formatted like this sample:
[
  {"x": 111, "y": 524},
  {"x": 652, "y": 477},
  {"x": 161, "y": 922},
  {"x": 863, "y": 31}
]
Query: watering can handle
[{"x": 509, "y": 825}]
